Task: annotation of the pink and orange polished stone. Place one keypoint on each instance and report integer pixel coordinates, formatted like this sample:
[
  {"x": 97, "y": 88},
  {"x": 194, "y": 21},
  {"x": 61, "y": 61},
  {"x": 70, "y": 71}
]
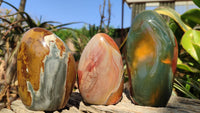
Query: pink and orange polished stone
[{"x": 100, "y": 71}]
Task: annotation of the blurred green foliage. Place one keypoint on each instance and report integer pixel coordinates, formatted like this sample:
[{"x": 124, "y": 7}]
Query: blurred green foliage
[{"x": 80, "y": 37}]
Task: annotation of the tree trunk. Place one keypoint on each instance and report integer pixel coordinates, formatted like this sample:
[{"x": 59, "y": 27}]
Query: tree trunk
[
  {"x": 1, "y": 2},
  {"x": 21, "y": 9}
]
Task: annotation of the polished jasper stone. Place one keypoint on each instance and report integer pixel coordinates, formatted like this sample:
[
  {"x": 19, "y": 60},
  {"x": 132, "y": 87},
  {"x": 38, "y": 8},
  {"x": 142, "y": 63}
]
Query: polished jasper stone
[
  {"x": 100, "y": 71},
  {"x": 46, "y": 71},
  {"x": 151, "y": 55}
]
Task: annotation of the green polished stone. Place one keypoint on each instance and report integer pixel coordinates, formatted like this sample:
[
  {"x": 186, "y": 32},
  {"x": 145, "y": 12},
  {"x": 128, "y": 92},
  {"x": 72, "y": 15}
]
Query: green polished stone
[{"x": 150, "y": 54}]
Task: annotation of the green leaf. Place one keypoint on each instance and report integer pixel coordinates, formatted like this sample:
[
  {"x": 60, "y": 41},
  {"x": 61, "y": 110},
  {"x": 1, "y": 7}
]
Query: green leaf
[
  {"x": 187, "y": 86},
  {"x": 197, "y": 2},
  {"x": 191, "y": 17},
  {"x": 196, "y": 84},
  {"x": 185, "y": 67},
  {"x": 191, "y": 43},
  {"x": 11, "y": 5},
  {"x": 5, "y": 20},
  {"x": 174, "y": 15},
  {"x": 29, "y": 20},
  {"x": 181, "y": 88},
  {"x": 178, "y": 32},
  {"x": 46, "y": 23},
  {"x": 191, "y": 82}
]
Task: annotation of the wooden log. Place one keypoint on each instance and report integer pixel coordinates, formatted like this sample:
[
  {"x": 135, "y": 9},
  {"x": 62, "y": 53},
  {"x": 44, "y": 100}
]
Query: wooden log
[
  {"x": 137, "y": 8},
  {"x": 76, "y": 105},
  {"x": 168, "y": 4}
]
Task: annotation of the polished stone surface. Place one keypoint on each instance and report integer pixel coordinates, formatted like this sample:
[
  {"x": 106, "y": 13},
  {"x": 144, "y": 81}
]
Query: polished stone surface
[
  {"x": 46, "y": 70},
  {"x": 151, "y": 55},
  {"x": 100, "y": 71}
]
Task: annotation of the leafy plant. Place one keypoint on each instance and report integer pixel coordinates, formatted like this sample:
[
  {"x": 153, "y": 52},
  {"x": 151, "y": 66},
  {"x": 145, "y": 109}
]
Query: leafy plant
[{"x": 186, "y": 30}]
